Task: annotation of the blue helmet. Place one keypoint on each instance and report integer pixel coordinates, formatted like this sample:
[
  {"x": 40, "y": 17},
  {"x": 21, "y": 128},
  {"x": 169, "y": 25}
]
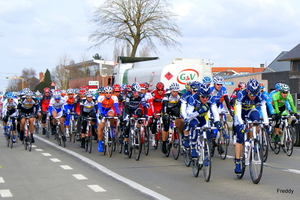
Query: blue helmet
[
  {"x": 253, "y": 87},
  {"x": 204, "y": 90},
  {"x": 206, "y": 79},
  {"x": 278, "y": 86},
  {"x": 136, "y": 87},
  {"x": 195, "y": 86},
  {"x": 9, "y": 95}
]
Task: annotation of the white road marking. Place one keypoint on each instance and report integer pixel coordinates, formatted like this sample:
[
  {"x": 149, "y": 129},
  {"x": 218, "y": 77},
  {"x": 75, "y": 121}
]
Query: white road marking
[
  {"x": 46, "y": 154},
  {"x": 96, "y": 188},
  {"x": 2, "y": 180},
  {"x": 127, "y": 181},
  {"x": 66, "y": 167},
  {"x": 293, "y": 171},
  {"x": 5, "y": 193},
  {"x": 79, "y": 176},
  {"x": 39, "y": 149},
  {"x": 55, "y": 160},
  {"x": 33, "y": 146}
]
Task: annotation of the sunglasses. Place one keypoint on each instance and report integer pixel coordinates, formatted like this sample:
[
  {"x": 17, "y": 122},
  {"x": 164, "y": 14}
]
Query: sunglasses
[
  {"x": 205, "y": 97},
  {"x": 28, "y": 97},
  {"x": 219, "y": 84},
  {"x": 117, "y": 91},
  {"x": 252, "y": 95},
  {"x": 284, "y": 92},
  {"x": 107, "y": 92},
  {"x": 70, "y": 94},
  {"x": 160, "y": 90},
  {"x": 57, "y": 98}
]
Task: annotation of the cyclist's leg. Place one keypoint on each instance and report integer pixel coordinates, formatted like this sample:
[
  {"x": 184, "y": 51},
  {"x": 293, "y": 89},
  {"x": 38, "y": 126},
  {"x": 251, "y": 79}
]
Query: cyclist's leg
[
  {"x": 238, "y": 148},
  {"x": 31, "y": 127},
  {"x": 100, "y": 135}
]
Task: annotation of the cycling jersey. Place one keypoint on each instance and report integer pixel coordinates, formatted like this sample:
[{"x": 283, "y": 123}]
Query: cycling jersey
[
  {"x": 107, "y": 104},
  {"x": 279, "y": 101}
]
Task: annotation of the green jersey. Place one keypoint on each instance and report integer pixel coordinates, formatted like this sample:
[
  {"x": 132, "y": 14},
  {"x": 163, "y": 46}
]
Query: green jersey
[{"x": 279, "y": 101}]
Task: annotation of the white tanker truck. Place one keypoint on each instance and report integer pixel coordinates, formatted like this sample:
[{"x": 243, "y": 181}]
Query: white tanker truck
[{"x": 149, "y": 69}]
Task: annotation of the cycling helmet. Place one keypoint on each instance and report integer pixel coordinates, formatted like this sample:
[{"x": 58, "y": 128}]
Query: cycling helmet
[
  {"x": 206, "y": 79},
  {"x": 108, "y": 89},
  {"x": 136, "y": 87},
  {"x": 9, "y": 95},
  {"x": 56, "y": 96},
  {"x": 253, "y": 87},
  {"x": 143, "y": 86},
  {"x": 160, "y": 86},
  {"x": 242, "y": 85},
  {"x": 63, "y": 93},
  {"x": 278, "y": 86},
  {"x": 88, "y": 94},
  {"x": 123, "y": 87},
  {"x": 37, "y": 93},
  {"x": 117, "y": 88},
  {"x": 218, "y": 80},
  {"x": 204, "y": 90},
  {"x": 195, "y": 86},
  {"x": 284, "y": 88},
  {"x": 146, "y": 85},
  {"x": 26, "y": 90},
  {"x": 29, "y": 94},
  {"x": 46, "y": 89},
  {"x": 100, "y": 89},
  {"x": 261, "y": 86},
  {"x": 174, "y": 87},
  {"x": 128, "y": 88},
  {"x": 70, "y": 91}
]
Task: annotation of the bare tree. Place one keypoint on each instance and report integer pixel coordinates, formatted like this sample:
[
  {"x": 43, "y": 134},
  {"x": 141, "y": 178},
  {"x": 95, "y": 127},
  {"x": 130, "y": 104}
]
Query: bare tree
[
  {"x": 145, "y": 51},
  {"x": 29, "y": 76},
  {"x": 61, "y": 74},
  {"x": 132, "y": 22}
]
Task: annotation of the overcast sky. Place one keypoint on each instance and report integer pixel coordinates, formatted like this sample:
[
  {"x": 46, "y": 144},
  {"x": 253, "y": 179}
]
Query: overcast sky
[{"x": 36, "y": 33}]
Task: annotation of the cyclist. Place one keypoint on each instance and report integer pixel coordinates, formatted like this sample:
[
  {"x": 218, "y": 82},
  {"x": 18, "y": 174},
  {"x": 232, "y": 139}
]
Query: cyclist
[
  {"x": 88, "y": 108},
  {"x": 108, "y": 106},
  {"x": 206, "y": 80},
  {"x": 199, "y": 105},
  {"x": 241, "y": 86},
  {"x": 158, "y": 95},
  {"x": 44, "y": 105},
  {"x": 171, "y": 106},
  {"x": 279, "y": 99},
  {"x": 132, "y": 107},
  {"x": 194, "y": 87},
  {"x": 56, "y": 107},
  {"x": 246, "y": 101},
  {"x": 68, "y": 109},
  {"x": 27, "y": 107},
  {"x": 9, "y": 109}
]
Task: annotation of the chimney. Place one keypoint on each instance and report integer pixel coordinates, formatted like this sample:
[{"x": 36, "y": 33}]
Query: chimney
[
  {"x": 262, "y": 65},
  {"x": 41, "y": 76}
]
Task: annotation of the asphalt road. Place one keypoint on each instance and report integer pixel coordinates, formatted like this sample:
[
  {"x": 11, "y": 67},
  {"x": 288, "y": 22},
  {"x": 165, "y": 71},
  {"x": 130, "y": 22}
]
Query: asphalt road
[{"x": 53, "y": 172}]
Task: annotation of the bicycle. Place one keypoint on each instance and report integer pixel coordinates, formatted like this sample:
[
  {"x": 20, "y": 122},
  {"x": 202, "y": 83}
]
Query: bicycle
[
  {"x": 60, "y": 135},
  {"x": 157, "y": 136},
  {"x": 48, "y": 127},
  {"x": 286, "y": 141},
  {"x": 225, "y": 126},
  {"x": 134, "y": 142},
  {"x": 203, "y": 159},
  {"x": 252, "y": 154},
  {"x": 72, "y": 129},
  {"x": 37, "y": 125},
  {"x": 174, "y": 139},
  {"x": 27, "y": 139},
  {"x": 89, "y": 135},
  {"x": 145, "y": 136},
  {"x": 264, "y": 141},
  {"x": 108, "y": 136},
  {"x": 9, "y": 136}
]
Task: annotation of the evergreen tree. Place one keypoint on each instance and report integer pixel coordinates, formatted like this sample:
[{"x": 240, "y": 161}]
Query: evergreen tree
[{"x": 45, "y": 83}]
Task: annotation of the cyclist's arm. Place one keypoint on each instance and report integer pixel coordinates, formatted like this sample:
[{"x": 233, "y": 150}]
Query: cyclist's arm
[{"x": 291, "y": 102}]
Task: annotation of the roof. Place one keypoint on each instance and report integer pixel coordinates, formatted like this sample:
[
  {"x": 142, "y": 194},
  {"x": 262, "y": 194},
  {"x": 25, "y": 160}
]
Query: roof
[
  {"x": 82, "y": 64},
  {"x": 293, "y": 54},
  {"x": 122, "y": 59},
  {"x": 276, "y": 66}
]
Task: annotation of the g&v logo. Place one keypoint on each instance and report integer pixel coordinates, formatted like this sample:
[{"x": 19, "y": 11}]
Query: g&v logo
[{"x": 187, "y": 75}]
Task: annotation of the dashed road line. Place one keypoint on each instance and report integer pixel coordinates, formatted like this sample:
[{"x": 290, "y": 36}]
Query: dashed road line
[
  {"x": 5, "y": 193},
  {"x": 2, "y": 180},
  {"x": 66, "y": 167},
  {"x": 55, "y": 160},
  {"x": 292, "y": 171},
  {"x": 39, "y": 149},
  {"x": 46, "y": 154},
  {"x": 79, "y": 176},
  {"x": 96, "y": 188}
]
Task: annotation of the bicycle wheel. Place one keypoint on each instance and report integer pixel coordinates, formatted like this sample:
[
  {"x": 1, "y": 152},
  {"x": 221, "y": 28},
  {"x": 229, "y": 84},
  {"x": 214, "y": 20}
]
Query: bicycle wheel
[
  {"x": 25, "y": 141},
  {"x": 29, "y": 143},
  {"x": 48, "y": 127},
  {"x": 176, "y": 143},
  {"x": 243, "y": 167},
  {"x": 256, "y": 162},
  {"x": 71, "y": 133},
  {"x": 36, "y": 126},
  {"x": 223, "y": 145},
  {"x": 109, "y": 145},
  {"x": 62, "y": 136},
  {"x": 11, "y": 141},
  {"x": 119, "y": 140},
  {"x": 186, "y": 157},
  {"x": 212, "y": 145},
  {"x": 206, "y": 161},
  {"x": 137, "y": 145},
  {"x": 130, "y": 143},
  {"x": 90, "y": 141},
  {"x": 146, "y": 140},
  {"x": 226, "y": 129},
  {"x": 264, "y": 143},
  {"x": 195, "y": 166},
  {"x": 288, "y": 143},
  {"x": 8, "y": 138}
]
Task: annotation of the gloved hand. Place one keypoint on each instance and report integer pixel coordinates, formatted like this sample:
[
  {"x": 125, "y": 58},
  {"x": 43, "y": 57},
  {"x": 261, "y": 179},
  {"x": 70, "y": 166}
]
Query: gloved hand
[
  {"x": 100, "y": 116},
  {"x": 296, "y": 115},
  {"x": 203, "y": 108},
  {"x": 126, "y": 118},
  {"x": 219, "y": 126},
  {"x": 64, "y": 115},
  {"x": 277, "y": 116},
  {"x": 186, "y": 121}
]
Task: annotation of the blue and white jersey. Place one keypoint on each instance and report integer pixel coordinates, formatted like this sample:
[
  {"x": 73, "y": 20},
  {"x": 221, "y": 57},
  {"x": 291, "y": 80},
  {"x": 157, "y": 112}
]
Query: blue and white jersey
[
  {"x": 57, "y": 106},
  {"x": 243, "y": 102},
  {"x": 194, "y": 105},
  {"x": 218, "y": 96},
  {"x": 184, "y": 100}
]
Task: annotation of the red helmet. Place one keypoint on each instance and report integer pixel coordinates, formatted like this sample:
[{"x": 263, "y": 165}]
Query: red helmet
[
  {"x": 146, "y": 85},
  {"x": 46, "y": 89},
  {"x": 242, "y": 85},
  {"x": 143, "y": 86},
  {"x": 160, "y": 86},
  {"x": 81, "y": 92},
  {"x": 117, "y": 88},
  {"x": 128, "y": 87}
]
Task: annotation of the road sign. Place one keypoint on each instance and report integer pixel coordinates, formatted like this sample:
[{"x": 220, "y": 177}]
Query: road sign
[
  {"x": 93, "y": 82},
  {"x": 53, "y": 84},
  {"x": 228, "y": 83}
]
